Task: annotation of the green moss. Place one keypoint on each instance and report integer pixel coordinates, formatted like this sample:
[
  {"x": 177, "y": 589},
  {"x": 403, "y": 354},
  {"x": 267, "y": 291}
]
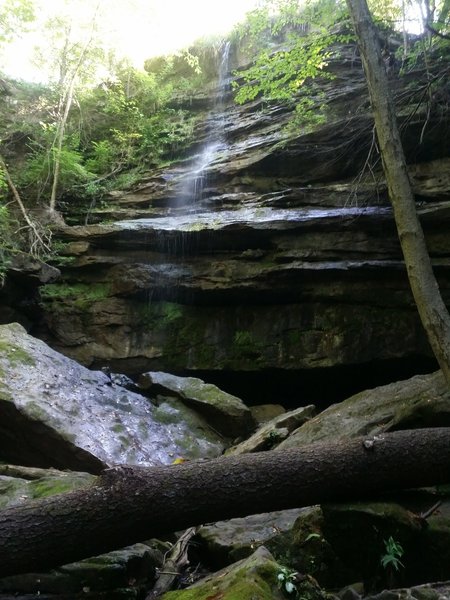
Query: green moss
[
  {"x": 246, "y": 585},
  {"x": 164, "y": 416},
  {"x": 170, "y": 312},
  {"x": 15, "y": 355},
  {"x": 80, "y": 295},
  {"x": 42, "y": 488},
  {"x": 243, "y": 339},
  {"x": 118, "y": 428},
  {"x": 125, "y": 441},
  {"x": 246, "y": 347},
  {"x": 294, "y": 337},
  {"x": 159, "y": 316},
  {"x": 35, "y": 411}
]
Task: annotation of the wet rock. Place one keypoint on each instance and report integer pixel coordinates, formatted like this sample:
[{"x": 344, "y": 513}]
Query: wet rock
[
  {"x": 227, "y": 414},
  {"x": 54, "y": 412},
  {"x": 422, "y": 401},
  {"x": 282, "y": 229}
]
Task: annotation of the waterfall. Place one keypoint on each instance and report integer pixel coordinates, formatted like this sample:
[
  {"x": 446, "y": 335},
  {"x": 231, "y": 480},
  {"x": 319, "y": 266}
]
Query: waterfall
[{"x": 194, "y": 184}]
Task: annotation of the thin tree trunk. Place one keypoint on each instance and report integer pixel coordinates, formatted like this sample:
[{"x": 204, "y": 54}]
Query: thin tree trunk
[
  {"x": 66, "y": 102},
  {"x": 39, "y": 243},
  {"x": 130, "y": 504},
  {"x": 432, "y": 310},
  {"x": 59, "y": 143}
]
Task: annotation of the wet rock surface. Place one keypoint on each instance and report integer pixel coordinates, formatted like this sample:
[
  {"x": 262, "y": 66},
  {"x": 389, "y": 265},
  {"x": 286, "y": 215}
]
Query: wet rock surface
[{"x": 55, "y": 412}]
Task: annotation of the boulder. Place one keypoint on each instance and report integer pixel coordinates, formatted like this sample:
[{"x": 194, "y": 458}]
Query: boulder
[
  {"x": 422, "y": 401},
  {"x": 224, "y": 542},
  {"x": 262, "y": 413},
  {"x": 120, "y": 574},
  {"x": 123, "y": 574},
  {"x": 253, "y": 577},
  {"x": 225, "y": 413},
  {"x": 21, "y": 484},
  {"x": 57, "y": 413}
]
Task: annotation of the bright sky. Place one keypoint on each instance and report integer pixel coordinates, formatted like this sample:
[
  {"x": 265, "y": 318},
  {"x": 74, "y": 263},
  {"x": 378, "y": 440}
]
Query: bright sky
[
  {"x": 138, "y": 28},
  {"x": 173, "y": 24}
]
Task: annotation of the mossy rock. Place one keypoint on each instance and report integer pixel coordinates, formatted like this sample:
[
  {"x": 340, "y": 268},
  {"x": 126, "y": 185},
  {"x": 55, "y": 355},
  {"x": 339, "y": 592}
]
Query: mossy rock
[
  {"x": 422, "y": 401},
  {"x": 358, "y": 534},
  {"x": 15, "y": 490},
  {"x": 254, "y": 577},
  {"x": 306, "y": 550}
]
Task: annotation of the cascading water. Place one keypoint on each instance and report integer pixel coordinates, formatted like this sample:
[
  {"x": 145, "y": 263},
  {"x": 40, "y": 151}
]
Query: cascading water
[{"x": 193, "y": 187}]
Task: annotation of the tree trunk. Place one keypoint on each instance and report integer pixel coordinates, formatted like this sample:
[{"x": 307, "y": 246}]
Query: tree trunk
[
  {"x": 130, "y": 504},
  {"x": 432, "y": 310}
]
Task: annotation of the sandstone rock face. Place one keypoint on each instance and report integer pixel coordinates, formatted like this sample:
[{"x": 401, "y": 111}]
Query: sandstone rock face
[{"x": 284, "y": 262}]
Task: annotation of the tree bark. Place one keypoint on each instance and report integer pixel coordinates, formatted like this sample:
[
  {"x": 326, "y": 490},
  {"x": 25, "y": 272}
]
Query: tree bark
[
  {"x": 130, "y": 504},
  {"x": 432, "y": 310}
]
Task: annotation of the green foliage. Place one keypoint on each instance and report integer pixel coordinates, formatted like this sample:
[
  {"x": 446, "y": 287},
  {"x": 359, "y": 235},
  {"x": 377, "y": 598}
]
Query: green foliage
[
  {"x": 130, "y": 125},
  {"x": 37, "y": 173},
  {"x": 3, "y": 185},
  {"x": 393, "y": 553},
  {"x": 15, "y": 15},
  {"x": 79, "y": 295},
  {"x": 288, "y": 74},
  {"x": 102, "y": 156},
  {"x": 385, "y": 13},
  {"x": 287, "y": 582},
  {"x": 243, "y": 338}
]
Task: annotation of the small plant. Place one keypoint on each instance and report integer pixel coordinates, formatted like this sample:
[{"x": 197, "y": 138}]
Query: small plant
[
  {"x": 286, "y": 582},
  {"x": 394, "y": 552}
]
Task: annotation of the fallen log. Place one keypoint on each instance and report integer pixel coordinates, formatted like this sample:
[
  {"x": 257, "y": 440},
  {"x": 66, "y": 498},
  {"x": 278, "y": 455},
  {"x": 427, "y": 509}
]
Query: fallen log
[{"x": 129, "y": 504}]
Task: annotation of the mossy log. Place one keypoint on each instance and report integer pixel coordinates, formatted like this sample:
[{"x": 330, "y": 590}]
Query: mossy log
[{"x": 129, "y": 504}]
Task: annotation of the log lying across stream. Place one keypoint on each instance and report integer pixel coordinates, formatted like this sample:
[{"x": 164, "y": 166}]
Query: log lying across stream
[{"x": 129, "y": 504}]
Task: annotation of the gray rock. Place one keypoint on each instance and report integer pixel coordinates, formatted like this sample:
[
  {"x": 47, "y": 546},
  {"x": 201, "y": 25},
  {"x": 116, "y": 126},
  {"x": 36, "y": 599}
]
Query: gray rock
[
  {"x": 132, "y": 567},
  {"x": 422, "y": 401},
  {"x": 54, "y": 412},
  {"x": 16, "y": 490},
  {"x": 227, "y": 541},
  {"x": 227, "y": 414},
  {"x": 263, "y": 413}
]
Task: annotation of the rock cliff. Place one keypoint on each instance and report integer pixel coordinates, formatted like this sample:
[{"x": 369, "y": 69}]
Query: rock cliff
[{"x": 268, "y": 251}]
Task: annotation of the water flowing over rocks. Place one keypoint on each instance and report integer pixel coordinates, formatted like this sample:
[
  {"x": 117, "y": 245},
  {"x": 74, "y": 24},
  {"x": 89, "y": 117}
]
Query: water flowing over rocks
[{"x": 288, "y": 263}]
